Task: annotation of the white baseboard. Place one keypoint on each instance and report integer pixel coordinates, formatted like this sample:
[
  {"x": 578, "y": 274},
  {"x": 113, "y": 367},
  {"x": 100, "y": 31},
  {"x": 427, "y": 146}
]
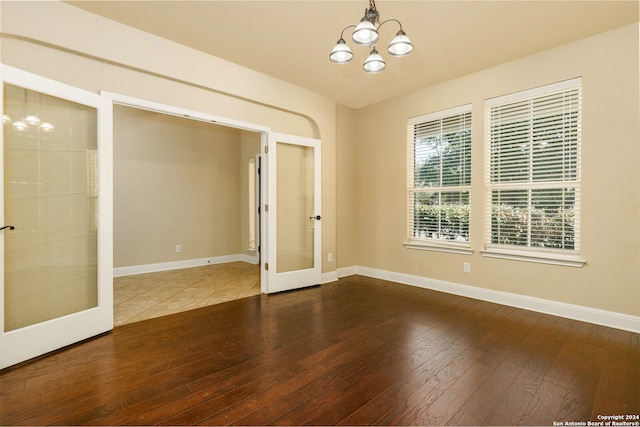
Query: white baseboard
[
  {"x": 251, "y": 259},
  {"x": 347, "y": 271},
  {"x": 176, "y": 265},
  {"x": 570, "y": 311},
  {"x": 331, "y": 276}
]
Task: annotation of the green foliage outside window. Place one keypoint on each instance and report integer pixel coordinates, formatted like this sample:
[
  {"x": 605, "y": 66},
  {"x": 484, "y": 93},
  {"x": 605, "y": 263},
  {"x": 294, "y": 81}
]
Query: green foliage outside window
[
  {"x": 553, "y": 229},
  {"x": 550, "y": 228}
]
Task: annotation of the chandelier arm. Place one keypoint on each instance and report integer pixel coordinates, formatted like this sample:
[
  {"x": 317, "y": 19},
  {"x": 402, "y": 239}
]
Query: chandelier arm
[
  {"x": 344, "y": 29},
  {"x": 387, "y": 20}
]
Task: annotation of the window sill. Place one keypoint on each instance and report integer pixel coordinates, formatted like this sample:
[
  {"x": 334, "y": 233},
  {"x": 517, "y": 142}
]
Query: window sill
[
  {"x": 453, "y": 248},
  {"x": 538, "y": 257}
]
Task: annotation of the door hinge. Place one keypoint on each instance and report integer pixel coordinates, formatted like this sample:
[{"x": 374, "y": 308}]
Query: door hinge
[
  {"x": 266, "y": 149},
  {"x": 266, "y": 265},
  {"x": 266, "y": 208}
]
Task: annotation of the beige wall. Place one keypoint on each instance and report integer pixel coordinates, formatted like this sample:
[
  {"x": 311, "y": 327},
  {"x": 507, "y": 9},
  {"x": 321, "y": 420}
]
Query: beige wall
[
  {"x": 346, "y": 160},
  {"x": 610, "y": 280},
  {"x": 177, "y": 181},
  {"x": 64, "y": 43}
]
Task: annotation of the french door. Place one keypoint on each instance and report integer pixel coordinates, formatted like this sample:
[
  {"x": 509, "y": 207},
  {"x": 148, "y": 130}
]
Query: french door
[
  {"x": 56, "y": 256},
  {"x": 293, "y": 213}
]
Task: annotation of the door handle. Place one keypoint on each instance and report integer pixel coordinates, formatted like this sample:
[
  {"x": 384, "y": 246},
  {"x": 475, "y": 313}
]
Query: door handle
[
  {"x": 10, "y": 227},
  {"x": 317, "y": 217}
]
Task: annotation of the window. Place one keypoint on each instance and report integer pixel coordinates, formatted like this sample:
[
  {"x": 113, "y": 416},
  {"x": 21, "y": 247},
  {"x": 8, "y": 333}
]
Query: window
[
  {"x": 533, "y": 172},
  {"x": 251, "y": 180},
  {"x": 439, "y": 180}
]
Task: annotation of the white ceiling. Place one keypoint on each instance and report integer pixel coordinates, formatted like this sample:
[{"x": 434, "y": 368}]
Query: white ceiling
[{"x": 291, "y": 40}]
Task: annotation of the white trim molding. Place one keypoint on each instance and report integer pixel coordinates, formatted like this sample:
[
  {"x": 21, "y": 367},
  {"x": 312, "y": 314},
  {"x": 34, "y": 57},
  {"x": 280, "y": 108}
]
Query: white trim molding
[
  {"x": 570, "y": 311},
  {"x": 347, "y": 271},
  {"x": 449, "y": 247},
  {"x": 157, "y": 107},
  {"x": 328, "y": 277},
  {"x": 539, "y": 257},
  {"x": 176, "y": 265}
]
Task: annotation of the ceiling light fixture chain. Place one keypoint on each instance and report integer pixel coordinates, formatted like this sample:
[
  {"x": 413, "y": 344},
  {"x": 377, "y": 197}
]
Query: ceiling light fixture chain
[
  {"x": 372, "y": 15},
  {"x": 366, "y": 33}
]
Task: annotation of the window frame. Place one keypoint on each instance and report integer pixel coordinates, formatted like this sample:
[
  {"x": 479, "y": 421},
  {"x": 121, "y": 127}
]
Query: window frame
[
  {"x": 434, "y": 244},
  {"x": 528, "y": 252},
  {"x": 252, "y": 200}
]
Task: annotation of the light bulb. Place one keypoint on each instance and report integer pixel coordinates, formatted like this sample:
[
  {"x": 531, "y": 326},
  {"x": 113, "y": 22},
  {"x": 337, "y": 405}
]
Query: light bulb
[
  {"x": 47, "y": 127},
  {"x": 19, "y": 125},
  {"x": 374, "y": 63},
  {"x": 365, "y": 33},
  {"x": 341, "y": 54},
  {"x": 400, "y": 45},
  {"x": 32, "y": 120}
]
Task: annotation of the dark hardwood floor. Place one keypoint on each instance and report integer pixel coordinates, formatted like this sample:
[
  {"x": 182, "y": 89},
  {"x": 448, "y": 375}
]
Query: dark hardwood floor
[{"x": 359, "y": 351}]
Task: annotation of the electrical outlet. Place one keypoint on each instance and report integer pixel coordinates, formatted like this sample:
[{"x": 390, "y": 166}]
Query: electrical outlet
[
  {"x": 466, "y": 267},
  {"x": 330, "y": 257},
  {"x": 178, "y": 248}
]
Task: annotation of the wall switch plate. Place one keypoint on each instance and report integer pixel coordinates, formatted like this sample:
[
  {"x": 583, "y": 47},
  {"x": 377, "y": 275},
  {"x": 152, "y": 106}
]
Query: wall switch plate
[
  {"x": 330, "y": 257},
  {"x": 466, "y": 267},
  {"x": 178, "y": 248}
]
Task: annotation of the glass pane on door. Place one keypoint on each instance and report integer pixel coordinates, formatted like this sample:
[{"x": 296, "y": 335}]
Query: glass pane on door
[
  {"x": 50, "y": 197},
  {"x": 295, "y": 199}
]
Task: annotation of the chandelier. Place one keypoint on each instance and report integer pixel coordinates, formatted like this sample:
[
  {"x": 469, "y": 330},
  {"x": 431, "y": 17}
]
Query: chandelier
[
  {"x": 28, "y": 120},
  {"x": 366, "y": 33}
]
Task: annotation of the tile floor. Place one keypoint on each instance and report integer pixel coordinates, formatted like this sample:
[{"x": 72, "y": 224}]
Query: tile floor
[{"x": 144, "y": 296}]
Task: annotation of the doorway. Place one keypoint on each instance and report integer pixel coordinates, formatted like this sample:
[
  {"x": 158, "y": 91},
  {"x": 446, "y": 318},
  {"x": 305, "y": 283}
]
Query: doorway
[
  {"x": 281, "y": 184},
  {"x": 186, "y": 217},
  {"x": 25, "y": 342}
]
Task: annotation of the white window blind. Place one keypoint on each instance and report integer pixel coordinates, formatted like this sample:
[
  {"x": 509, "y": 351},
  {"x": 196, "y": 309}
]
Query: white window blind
[
  {"x": 439, "y": 176},
  {"x": 92, "y": 184},
  {"x": 533, "y": 169}
]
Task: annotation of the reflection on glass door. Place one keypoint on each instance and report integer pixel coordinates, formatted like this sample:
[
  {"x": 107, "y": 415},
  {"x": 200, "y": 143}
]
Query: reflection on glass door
[
  {"x": 50, "y": 190},
  {"x": 295, "y": 199},
  {"x": 294, "y": 220}
]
